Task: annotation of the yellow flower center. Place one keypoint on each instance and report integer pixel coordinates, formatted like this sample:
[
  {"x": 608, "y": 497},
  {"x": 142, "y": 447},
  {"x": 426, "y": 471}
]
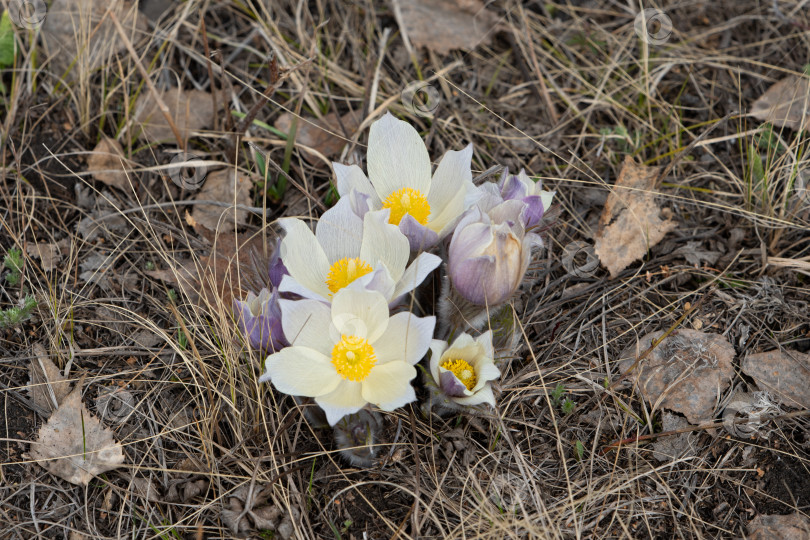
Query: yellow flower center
[
  {"x": 462, "y": 370},
  {"x": 353, "y": 358},
  {"x": 407, "y": 201},
  {"x": 345, "y": 271}
]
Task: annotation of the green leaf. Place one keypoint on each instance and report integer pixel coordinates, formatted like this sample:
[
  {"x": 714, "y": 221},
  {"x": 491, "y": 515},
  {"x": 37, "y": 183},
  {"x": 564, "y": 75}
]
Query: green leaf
[{"x": 8, "y": 45}]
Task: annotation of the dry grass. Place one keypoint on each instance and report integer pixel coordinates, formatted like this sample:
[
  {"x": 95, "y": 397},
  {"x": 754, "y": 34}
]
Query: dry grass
[{"x": 203, "y": 426}]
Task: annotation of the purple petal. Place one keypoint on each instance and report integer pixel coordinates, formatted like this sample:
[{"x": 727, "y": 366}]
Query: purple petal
[
  {"x": 450, "y": 384},
  {"x": 420, "y": 237},
  {"x": 513, "y": 188},
  {"x": 534, "y": 210},
  {"x": 276, "y": 268}
]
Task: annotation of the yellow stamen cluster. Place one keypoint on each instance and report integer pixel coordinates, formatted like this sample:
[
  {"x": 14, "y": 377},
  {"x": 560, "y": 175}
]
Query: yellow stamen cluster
[
  {"x": 353, "y": 358},
  {"x": 407, "y": 201},
  {"x": 462, "y": 370},
  {"x": 345, "y": 271}
]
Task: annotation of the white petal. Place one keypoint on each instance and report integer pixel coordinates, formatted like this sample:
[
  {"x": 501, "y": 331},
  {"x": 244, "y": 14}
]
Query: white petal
[
  {"x": 340, "y": 231},
  {"x": 385, "y": 243},
  {"x": 388, "y": 386},
  {"x": 451, "y": 175},
  {"x": 462, "y": 341},
  {"x": 486, "y": 371},
  {"x": 360, "y": 313},
  {"x": 301, "y": 371},
  {"x": 437, "y": 347},
  {"x": 304, "y": 323},
  {"x": 406, "y": 339},
  {"x": 416, "y": 273},
  {"x": 346, "y": 398},
  {"x": 397, "y": 157},
  {"x": 352, "y": 177},
  {"x": 303, "y": 256},
  {"x": 445, "y": 222},
  {"x": 546, "y": 197},
  {"x": 288, "y": 284},
  {"x": 484, "y": 395},
  {"x": 485, "y": 340}
]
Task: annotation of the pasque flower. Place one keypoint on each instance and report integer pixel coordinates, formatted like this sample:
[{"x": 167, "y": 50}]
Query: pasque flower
[
  {"x": 489, "y": 253},
  {"x": 399, "y": 178},
  {"x": 259, "y": 319},
  {"x": 463, "y": 371},
  {"x": 520, "y": 187},
  {"x": 349, "y": 354},
  {"x": 347, "y": 250}
]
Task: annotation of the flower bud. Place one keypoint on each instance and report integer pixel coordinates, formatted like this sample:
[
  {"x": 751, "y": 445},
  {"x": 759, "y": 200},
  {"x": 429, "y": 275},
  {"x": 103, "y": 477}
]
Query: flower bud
[
  {"x": 259, "y": 320},
  {"x": 489, "y": 254}
]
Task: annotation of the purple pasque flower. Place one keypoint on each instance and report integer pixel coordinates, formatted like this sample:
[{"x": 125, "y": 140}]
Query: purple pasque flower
[
  {"x": 259, "y": 320},
  {"x": 489, "y": 252},
  {"x": 519, "y": 187},
  {"x": 275, "y": 266}
]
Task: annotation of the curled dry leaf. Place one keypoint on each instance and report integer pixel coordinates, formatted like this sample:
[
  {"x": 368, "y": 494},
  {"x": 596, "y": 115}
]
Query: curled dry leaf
[
  {"x": 48, "y": 254},
  {"x": 631, "y": 222},
  {"x": 444, "y": 25},
  {"x": 48, "y": 387},
  {"x": 672, "y": 447},
  {"x": 685, "y": 373},
  {"x": 785, "y": 104},
  {"x": 105, "y": 164},
  {"x": 790, "y": 527},
  {"x": 325, "y": 136},
  {"x": 73, "y": 444},
  {"x": 247, "y": 509},
  {"x": 785, "y": 373},
  {"x": 191, "y": 110},
  {"x": 225, "y": 186}
]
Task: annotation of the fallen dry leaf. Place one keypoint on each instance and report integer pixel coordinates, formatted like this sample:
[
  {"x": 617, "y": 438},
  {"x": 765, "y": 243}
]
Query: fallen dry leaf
[
  {"x": 105, "y": 162},
  {"x": 225, "y": 186},
  {"x": 192, "y": 110},
  {"x": 785, "y": 373},
  {"x": 73, "y": 444},
  {"x": 48, "y": 254},
  {"x": 325, "y": 136},
  {"x": 785, "y": 104},
  {"x": 444, "y": 25},
  {"x": 71, "y": 34},
  {"x": 631, "y": 222},
  {"x": 672, "y": 447},
  {"x": 685, "y": 373},
  {"x": 790, "y": 527},
  {"x": 48, "y": 387}
]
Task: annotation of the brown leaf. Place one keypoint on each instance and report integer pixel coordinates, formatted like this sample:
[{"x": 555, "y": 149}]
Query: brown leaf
[
  {"x": 225, "y": 186},
  {"x": 631, "y": 221},
  {"x": 48, "y": 254},
  {"x": 48, "y": 387},
  {"x": 325, "y": 136},
  {"x": 685, "y": 373},
  {"x": 248, "y": 509},
  {"x": 76, "y": 34},
  {"x": 105, "y": 162},
  {"x": 785, "y": 104},
  {"x": 74, "y": 445},
  {"x": 444, "y": 25},
  {"x": 191, "y": 110},
  {"x": 790, "y": 527},
  {"x": 672, "y": 447},
  {"x": 785, "y": 373}
]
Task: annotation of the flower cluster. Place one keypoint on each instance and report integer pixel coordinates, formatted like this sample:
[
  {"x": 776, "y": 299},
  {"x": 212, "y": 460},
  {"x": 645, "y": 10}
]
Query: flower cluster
[{"x": 340, "y": 321}]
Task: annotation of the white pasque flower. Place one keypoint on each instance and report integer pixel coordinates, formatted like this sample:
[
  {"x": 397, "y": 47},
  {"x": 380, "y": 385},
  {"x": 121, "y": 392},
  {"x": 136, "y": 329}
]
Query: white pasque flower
[
  {"x": 464, "y": 370},
  {"x": 347, "y": 250},
  {"x": 399, "y": 178},
  {"x": 349, "y": 354}
]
